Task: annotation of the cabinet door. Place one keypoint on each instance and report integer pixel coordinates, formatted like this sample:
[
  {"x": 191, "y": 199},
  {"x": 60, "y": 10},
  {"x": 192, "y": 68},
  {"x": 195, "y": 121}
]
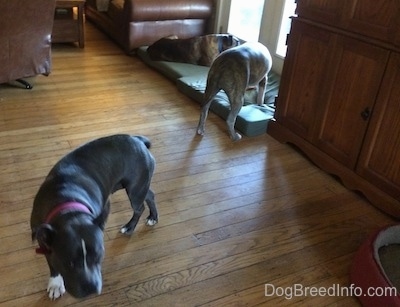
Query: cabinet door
[
  {"x": 377, "y": 19},
  {"x": 354, "y": 78},
  {"x": 324, "y": 11},
  {"x": 302, "y": 78},
  {"x": 380, "y": 156}
]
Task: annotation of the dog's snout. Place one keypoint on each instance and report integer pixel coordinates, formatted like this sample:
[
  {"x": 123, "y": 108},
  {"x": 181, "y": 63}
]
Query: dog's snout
[
  {"x": 93, "y": 288},
  {"x": 84, "y": 288}
]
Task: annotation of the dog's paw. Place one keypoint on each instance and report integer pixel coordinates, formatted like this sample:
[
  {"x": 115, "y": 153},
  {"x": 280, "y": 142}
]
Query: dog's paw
[
  {"x": 236, "y": 137},
  {"x": 200, "y": 130},
  {"x": 151, "y": 222},
  {"x": 56, "y": 287},
  {"x": 125, "y": 230}
]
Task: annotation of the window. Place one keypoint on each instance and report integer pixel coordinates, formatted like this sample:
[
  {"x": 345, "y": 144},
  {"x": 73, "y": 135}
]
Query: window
[
  {"x": 266, "y": 21},
  {"x": 288, "y": 11},
  {"x": 245, "y": 20}
]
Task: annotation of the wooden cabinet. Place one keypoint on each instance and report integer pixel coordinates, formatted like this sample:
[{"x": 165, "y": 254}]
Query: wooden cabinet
[
  {"x": 334, "y": 93},
  {"x": 375, "y": 19},
  {"x": 306, "y": 42},
  {"x": 353, "y": 79},
  {"x": 324, "y": 11},
  {"x": 380, "y": 158},
  {"x": 339, "y": 99},
  {"x": 69, "y": 23}
]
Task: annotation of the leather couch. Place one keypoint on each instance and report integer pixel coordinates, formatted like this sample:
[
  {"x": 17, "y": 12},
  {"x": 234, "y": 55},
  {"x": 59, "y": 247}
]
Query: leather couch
[
  {"x": 25, "y": 39},
  {"x": 135, "y": 23}
]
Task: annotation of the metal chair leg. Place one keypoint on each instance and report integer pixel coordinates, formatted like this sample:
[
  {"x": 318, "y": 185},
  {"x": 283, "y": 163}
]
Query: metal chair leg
[{"x": 27, "y": 85}]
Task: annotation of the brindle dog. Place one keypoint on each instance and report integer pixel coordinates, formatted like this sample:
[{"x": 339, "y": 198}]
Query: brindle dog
[
  {"x": 233, "y": 71},
  {"x": 199, "y": 50}
]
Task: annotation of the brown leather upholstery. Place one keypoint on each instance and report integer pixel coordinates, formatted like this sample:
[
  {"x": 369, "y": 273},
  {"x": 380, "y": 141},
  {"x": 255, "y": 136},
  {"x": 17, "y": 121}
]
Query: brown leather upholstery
[
  {"x": 135, "y": 23},
  {"x": 25, "y": 38}
]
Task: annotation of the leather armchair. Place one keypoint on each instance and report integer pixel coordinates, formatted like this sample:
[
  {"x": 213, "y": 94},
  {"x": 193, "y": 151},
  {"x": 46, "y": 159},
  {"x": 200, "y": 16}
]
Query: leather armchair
[
  {"x": 136, "y": 23},
  {"x": 25, "y": 39}
]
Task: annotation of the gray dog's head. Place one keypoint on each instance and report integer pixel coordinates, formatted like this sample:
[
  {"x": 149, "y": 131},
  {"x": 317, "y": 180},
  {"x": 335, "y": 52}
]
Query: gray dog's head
[{"x": 75, "y": 250}]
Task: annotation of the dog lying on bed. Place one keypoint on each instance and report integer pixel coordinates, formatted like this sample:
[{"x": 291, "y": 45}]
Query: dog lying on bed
[{"x": 198, "y": 50}]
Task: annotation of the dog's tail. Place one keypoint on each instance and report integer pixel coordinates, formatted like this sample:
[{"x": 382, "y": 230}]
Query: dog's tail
[{"x": 144, "y": 140}]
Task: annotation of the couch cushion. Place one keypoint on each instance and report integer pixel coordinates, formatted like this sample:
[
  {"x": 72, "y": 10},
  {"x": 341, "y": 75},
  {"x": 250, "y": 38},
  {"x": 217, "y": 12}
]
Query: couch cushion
[{"x": 152, "y": 10}]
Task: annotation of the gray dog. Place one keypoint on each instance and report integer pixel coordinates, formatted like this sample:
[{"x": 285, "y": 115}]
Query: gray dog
[
  {"x": 72, "y": 205},
  {"x": 200, "y": 50},
  {"x": 233, "y": 71}
]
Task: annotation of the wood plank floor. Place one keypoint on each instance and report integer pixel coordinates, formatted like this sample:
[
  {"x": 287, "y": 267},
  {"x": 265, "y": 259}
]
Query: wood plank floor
[{"x": 233, "y": 217}]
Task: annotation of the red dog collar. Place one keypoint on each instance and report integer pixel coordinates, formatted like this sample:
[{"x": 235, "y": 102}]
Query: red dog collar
[
  {"x": 67, "y": 207},
  {"x": 62, "y": 209}
]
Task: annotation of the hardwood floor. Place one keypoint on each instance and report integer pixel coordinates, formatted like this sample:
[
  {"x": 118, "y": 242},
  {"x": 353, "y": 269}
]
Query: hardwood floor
[{"x": 233, "y": 216}]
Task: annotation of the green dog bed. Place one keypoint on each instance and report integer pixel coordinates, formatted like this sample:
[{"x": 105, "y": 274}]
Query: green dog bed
[{"x": 190, "y": 79}]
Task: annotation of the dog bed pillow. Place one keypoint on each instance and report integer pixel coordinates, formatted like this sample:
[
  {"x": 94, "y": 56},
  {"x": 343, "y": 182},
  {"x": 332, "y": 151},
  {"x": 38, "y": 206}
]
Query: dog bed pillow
[
  {"x": 191, "y": 80},
  {"x": 252, "y": 119},
  {"x": 375, "y": 270}
]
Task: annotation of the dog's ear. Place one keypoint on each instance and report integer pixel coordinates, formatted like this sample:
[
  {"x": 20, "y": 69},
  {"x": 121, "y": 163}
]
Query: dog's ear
[
  {"x": 235, "y": 41},
  {"x": 230, "y": 40},
  {"x": 45, "y": 236}
]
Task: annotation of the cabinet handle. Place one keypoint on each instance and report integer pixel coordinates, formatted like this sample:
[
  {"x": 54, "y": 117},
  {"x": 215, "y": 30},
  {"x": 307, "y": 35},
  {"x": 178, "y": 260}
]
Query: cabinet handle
[{"x": 366, "y": 113}]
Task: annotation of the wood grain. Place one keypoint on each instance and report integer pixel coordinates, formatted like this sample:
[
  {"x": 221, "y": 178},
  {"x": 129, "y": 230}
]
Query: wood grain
[{"x": 233, "y": 216}]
